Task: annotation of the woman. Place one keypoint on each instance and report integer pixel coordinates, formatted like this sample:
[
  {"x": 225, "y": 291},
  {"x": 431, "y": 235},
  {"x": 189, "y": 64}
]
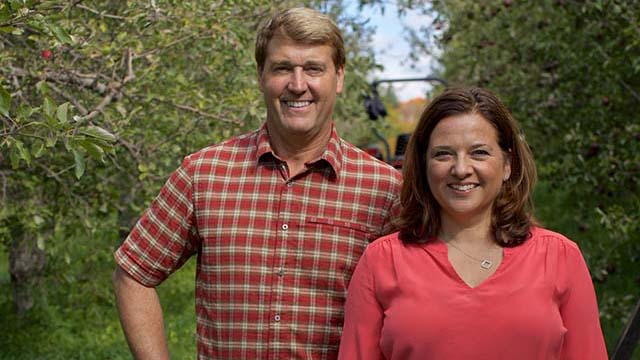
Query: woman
[{"x": 470, "y": 275}]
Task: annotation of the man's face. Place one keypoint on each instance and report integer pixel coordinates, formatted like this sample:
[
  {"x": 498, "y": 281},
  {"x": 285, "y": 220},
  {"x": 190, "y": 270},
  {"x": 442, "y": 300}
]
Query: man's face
[{"x": 299, "y": 83}]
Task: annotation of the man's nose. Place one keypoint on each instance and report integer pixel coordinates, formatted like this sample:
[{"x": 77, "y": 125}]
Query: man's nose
[{"x": 297, "y": 82}]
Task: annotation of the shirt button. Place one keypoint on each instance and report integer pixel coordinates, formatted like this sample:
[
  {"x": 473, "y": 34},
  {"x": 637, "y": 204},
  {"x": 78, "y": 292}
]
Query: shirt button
[
  {"x": 285, "y": 226},
  {"x": 290, "y": 184},
  {"x": 277, "y": 317},
  {"x": 280, "y": 271}
]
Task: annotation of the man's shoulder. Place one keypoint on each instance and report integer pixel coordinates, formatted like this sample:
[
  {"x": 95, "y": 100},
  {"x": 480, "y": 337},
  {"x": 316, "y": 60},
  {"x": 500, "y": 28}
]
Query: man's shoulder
[
  {"x": 359, "y": 161},
  {"x": 232, "y": 149}
]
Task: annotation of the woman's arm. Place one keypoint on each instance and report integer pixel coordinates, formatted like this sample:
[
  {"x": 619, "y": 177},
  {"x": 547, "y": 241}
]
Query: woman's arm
[
  {"x": 579, "y": 311},
  {"x": 363, "y": 317}
]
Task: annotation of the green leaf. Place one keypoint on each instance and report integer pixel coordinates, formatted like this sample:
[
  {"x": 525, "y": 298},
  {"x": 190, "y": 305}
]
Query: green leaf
[
  {"x": 37, "y": 149},
  {"x": 80, "y": 163},
  {"x": 22, "y": 152},
  {"x": 38, "y": 220},
  {"x": 40, "y": 241},
  {"x": 49, "y": 106},
  {"x": 62, "y": 113},
  {"x": 60, "y": 34},
  {"x": 7, "y": 29},
  {"x": 14, "y": 156},
  {"x": 98, "y": 133},
  {"x": 93, "y": 149},
  {"x": 5, "y": 101},
  {"x": 25, "y": 111},
  {"x": 16, "y": 5},
  {"x": 51, "y": 140},
  {"x": 42, "y": 87},
  {"x": 5, "y": 13}
]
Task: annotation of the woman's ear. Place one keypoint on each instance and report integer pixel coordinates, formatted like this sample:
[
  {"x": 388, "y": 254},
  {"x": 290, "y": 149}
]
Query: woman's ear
[{"x": 507, "y": 166}]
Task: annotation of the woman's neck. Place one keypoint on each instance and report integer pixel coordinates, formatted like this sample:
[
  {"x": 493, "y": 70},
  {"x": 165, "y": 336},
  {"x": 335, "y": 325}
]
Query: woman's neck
[{"x": 476, "y": 231}]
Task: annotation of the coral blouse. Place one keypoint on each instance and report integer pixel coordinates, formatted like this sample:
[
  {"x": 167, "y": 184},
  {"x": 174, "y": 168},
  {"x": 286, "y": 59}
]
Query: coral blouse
[{"x": 406, "y": 301}]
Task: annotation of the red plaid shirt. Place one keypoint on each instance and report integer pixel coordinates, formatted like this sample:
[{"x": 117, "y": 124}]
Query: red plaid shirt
[{"x": 275, "y": 255}]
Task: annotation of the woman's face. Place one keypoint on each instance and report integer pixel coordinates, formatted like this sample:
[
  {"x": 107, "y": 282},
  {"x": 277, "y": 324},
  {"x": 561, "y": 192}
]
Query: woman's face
[{"x": 466, "y": 167}]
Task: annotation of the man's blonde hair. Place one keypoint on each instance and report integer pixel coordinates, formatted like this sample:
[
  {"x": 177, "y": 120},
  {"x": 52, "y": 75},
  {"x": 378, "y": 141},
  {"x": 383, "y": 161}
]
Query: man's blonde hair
[{"x": 302, "y": 25}]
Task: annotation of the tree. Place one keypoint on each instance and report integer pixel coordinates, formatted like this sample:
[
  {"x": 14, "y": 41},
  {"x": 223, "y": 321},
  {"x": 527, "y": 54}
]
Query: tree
[
  {"x": 570, "y": 72},
  {"x": 99, "y": 101}
]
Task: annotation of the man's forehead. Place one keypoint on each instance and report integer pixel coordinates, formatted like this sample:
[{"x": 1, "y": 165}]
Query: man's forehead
[{"x": 299, "y": 52}]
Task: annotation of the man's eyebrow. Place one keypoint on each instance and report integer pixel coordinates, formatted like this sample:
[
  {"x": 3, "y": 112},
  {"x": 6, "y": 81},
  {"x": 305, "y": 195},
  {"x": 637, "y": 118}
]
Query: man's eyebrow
[
  {"x": 281, "y": 63},
  {"x": 315, "y": 63},
  {"x": 305, "y": 64}
]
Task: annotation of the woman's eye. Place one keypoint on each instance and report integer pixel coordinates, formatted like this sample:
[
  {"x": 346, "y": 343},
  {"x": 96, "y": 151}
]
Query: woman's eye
[{"x": 440, "y": 154}]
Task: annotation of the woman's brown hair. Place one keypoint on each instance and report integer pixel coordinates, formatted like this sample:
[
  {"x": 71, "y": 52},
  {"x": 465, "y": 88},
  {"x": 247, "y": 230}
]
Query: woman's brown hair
[{"x": 512, "y": 211}]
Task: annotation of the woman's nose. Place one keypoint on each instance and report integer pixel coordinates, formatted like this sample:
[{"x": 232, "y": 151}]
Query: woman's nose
[{"x": 461, "y": 167}]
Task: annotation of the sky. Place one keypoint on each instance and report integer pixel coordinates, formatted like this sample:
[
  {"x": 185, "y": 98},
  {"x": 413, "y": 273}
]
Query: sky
[{"x": 391, "y": 47}]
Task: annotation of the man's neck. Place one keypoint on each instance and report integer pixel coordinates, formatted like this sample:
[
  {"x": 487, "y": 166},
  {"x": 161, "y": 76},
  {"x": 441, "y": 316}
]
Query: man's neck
[{"x": 297, "y": 150}]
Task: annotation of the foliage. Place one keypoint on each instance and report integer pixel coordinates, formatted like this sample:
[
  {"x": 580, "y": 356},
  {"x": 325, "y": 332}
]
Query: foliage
[
  {"x": 569, "y": 71},
  {"x": 77, "y": 319},
  {"x": 119, "y": 92},
  {"x": 99, "y": 101}
]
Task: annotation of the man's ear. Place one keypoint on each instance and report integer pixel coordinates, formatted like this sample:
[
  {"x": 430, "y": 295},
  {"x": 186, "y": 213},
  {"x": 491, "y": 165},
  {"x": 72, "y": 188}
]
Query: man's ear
[
  {"x": 259, "y": 71},
  {"x": 340, "y": 82}
]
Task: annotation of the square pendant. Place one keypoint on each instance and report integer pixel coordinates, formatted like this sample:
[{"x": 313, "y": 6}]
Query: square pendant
[{"x": 486, "y": 264}]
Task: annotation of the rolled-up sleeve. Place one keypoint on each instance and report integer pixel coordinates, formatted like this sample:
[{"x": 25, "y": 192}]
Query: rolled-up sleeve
[{"x": 165, "y": 236}]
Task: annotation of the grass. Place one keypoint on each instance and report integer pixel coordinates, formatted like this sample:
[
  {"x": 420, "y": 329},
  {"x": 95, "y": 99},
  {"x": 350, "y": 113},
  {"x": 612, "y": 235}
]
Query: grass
[{"x": 75, "y": 317}]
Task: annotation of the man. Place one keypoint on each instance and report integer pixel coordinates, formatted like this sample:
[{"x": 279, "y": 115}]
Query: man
[{"x": 277, "y": 218}]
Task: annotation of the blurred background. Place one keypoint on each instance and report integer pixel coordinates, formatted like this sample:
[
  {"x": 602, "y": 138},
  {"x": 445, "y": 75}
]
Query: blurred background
[{"x": 99, "y": 102}]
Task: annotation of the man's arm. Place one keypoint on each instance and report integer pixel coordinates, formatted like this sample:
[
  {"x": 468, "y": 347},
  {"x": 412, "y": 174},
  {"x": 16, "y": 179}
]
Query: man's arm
[{"x": 140, "y": 316}]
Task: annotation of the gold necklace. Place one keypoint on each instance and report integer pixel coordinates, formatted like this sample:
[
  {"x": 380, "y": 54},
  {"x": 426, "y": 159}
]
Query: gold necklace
[{"x": 484, "y": 263}]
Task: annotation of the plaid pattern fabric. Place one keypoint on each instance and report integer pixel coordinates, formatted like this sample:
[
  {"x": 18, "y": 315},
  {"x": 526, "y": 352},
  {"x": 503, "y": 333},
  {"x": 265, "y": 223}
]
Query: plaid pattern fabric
[{"x": 275, "y": 255}]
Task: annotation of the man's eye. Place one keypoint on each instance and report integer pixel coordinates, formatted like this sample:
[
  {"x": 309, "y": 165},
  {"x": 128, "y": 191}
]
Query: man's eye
[{"x": 314, "y": 70}]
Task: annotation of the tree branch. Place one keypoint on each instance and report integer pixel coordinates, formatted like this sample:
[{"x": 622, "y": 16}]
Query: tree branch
[
  {"x": 204, "y": 114},
  {"x": 622, "y": 82},
  {"x": 71, "y": 99},
  {"x": 115, "y": 87},
  {"x": 101, "y": 14}
]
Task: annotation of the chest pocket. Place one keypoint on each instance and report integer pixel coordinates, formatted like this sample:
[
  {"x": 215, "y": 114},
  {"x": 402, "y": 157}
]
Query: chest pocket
[{"x": 339, "y": 243}]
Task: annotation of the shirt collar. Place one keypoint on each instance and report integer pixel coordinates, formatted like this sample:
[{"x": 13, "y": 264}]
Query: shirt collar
[{"x": 331, "y": 157}]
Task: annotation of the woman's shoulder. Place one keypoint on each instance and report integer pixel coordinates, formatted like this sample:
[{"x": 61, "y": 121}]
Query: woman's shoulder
[
  {"x": 391, "y": 239},
  {"x": 552, "y": 240},
  {"x": 384, "y": 245},
  {"x": 391, "y": 245}
]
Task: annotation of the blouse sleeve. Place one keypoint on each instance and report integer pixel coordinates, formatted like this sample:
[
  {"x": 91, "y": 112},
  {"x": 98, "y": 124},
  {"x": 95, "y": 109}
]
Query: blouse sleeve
[
  {"x": 579, "y": 311},
  {"x": 363, "y": 317}
]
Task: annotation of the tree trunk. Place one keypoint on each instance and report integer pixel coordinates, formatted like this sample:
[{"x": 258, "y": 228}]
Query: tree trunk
[{"x": 26, "y": 263}]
